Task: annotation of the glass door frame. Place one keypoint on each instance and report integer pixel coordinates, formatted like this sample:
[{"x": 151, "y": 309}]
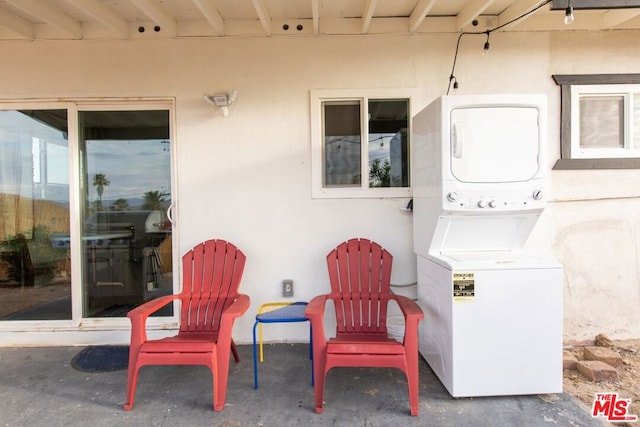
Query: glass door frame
[{"x": 73, "y": 106}]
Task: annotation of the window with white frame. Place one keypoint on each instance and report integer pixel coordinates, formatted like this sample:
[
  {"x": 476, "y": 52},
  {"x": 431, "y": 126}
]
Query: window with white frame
[
  {"x": 600, "y": 121},
  {"x": 360, "y": 143},
  {"x": 608, "y": 122}
]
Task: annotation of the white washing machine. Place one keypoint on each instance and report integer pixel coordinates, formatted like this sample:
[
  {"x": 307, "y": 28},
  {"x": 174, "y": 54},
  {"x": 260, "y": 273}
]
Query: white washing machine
[
  {"x": 493, "y": 323},
  {"x": 493, "y": 313}
]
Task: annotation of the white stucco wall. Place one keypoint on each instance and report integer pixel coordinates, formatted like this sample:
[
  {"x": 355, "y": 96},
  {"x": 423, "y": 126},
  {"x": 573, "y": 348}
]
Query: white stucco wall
[
  {"x": 596, "y": 213},
  {"x": 247, "y": 178}
]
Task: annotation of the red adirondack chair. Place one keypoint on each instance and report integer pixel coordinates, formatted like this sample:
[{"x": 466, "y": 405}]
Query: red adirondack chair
[
  {"x": 210, "y": 303},
  {"x": 360, "y": 274}
]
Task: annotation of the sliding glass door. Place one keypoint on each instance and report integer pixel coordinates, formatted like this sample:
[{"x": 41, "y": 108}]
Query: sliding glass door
[
  {"x": 84, "y": 195},
  {"x": 126, "y": 234},
  {"x": 35, "y": 273}
]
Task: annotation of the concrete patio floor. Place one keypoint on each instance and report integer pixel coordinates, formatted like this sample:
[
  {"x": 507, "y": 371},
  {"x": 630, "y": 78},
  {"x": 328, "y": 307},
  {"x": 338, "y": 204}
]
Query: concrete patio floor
[{"x": 38, "y": 387}]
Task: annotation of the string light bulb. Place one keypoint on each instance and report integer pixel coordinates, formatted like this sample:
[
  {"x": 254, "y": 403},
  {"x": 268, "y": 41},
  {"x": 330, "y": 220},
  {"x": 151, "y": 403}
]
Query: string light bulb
[
  {"x": 453, "y": 82},
  {"x": 568, "y": 14},
  {"x": 486, "y": 44}
]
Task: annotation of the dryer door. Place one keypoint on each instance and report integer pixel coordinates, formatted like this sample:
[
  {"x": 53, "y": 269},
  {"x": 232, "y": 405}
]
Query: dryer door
[{"x": 495, "y": 144}]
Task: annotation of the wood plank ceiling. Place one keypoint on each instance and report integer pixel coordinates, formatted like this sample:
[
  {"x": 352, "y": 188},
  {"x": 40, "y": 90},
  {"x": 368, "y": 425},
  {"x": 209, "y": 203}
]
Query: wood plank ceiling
[{"x": 131, "y": 19}]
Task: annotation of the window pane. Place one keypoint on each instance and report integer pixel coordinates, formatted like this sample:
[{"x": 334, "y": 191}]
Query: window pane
[
  {"x": 35, "y": 266},
  {"x": 126, "y": 236},
  {"x": 602, "y": 122},
  {"x": 388, "y": 147},
  {"x": 342, "y": 143},
  {"x": 636, "y": 121}
]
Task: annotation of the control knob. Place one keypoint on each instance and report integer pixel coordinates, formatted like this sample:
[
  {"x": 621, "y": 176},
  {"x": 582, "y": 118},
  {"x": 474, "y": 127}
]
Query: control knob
[
  {"x": 481, "y": 203},
  {"x": 537, "y": 194},
  {"x": 492, "y": 204},
  {"x": 452, "y": 197}
]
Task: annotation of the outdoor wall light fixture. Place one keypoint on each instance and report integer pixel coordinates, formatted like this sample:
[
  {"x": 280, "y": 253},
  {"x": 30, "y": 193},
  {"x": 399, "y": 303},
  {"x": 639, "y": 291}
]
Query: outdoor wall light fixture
[{"x": 222, "y": 100}]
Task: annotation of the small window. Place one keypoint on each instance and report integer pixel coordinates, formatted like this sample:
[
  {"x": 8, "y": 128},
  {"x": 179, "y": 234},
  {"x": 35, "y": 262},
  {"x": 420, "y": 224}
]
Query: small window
[
  {"x": 360, "y": 143},
  {"x": 607, "y": 121},
  {"x": 342, "y": 144},
  {"x": 600, "y": 121}
]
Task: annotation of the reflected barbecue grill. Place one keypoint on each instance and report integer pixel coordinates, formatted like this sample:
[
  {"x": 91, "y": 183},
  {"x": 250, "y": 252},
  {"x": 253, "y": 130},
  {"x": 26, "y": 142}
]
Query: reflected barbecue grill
[
  {"x": 122, "y": 266},
  {"x": 120, "y": 255}
]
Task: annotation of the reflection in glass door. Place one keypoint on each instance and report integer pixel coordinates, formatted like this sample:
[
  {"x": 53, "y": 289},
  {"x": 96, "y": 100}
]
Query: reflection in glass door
[
  {"x": 126, "y": 186},
  {"x": 35, "y": 266}
]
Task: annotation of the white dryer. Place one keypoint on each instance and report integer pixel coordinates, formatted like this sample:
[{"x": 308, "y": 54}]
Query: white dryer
[{"x": 493, "y": 313}]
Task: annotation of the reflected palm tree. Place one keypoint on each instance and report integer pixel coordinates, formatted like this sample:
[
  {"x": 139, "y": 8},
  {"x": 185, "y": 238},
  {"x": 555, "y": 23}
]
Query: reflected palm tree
[
  {"x": 380, "y": 175},
  {"x": 100, "y": 181},
  {"x": 120, "y": 205},
  {"x": 154, "y": 200}
]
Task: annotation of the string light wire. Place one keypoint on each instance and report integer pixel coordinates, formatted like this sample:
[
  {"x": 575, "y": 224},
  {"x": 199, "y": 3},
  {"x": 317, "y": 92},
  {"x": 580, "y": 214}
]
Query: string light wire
[{"x": 453, "y": 81}]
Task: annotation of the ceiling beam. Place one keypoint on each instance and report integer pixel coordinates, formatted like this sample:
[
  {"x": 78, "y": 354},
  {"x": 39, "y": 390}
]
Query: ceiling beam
[
  {"x": 595, "y": 4},
  {"x": 50, "y": 14},
  {"x": 419, "y": 13},
  {"x": 211, "y": 14},
  {"x": 263, "y": 15},
  {"x": 517, "y": 8},
  {"x": 102, "y": 14},
  {"x": 367, "y": 15},
  {"x": 16, "y": 24},
  {"x": 471, "y": 11},
  {"x": 158, "y": 15},
  {"x": 613, "y": 18},
  {"x": 315, "y": 14}
]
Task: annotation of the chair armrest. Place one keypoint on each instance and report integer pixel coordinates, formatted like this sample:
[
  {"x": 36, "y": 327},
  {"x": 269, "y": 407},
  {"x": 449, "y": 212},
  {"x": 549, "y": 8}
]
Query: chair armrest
[
  {"x": 315, "y": 313},
  {"x": 409, "y": 308},
  {"x": 236, "y": 309},
  {"x": 140, "y": 314},
  {"x": 412, "y": 316},
  {"x": 229, "y": 315},
  {"x": 315, "y": 308},
  {"x": 149, "y": 307}
]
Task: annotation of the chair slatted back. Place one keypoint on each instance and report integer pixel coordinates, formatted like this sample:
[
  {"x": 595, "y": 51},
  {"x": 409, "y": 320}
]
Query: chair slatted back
[
  {"x": 360, "y": 276},
  {"x": 211, "y": 274}
]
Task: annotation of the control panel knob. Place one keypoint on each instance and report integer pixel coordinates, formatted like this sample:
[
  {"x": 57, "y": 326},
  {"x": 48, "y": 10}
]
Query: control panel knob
[
  {"x": 492, "y": 204},
  {"x": 452, "y": 197},
  {"x": 537, "y": 195},
  {"x": 481, "y": 203}
]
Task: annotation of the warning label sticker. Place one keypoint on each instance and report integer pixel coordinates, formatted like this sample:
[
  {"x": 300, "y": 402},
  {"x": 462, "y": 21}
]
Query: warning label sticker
[{"x": 464, "y": 287}]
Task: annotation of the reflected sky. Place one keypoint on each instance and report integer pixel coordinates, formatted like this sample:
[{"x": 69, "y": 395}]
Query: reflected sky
[
  {"x": 33, "y": 153},
  {"x": 132, "y": 167}
]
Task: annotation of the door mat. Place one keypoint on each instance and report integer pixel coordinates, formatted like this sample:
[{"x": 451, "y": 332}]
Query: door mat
[{"x": 102, "y": 358}]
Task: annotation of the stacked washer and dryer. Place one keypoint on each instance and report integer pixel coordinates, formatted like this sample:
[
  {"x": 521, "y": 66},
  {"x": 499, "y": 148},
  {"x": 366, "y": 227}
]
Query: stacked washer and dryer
[{"x": 493, "y": 313}]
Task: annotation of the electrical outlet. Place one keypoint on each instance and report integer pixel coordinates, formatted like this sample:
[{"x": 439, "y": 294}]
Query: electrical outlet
[{"x": 287, "y": 288}]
